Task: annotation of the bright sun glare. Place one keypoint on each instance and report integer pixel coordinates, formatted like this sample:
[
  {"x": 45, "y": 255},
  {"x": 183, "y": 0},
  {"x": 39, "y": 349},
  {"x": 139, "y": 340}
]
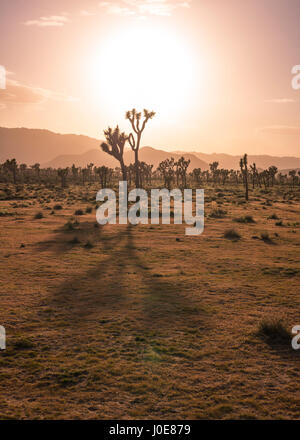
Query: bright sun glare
[{"x": 143, "y": 67}]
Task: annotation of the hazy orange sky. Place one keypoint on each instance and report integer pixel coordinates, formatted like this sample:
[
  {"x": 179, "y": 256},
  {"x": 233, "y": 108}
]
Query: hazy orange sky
[{"x": 217, "y": 72}]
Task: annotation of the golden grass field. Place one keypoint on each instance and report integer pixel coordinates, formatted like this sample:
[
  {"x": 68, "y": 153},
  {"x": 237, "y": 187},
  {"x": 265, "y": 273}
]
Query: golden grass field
[{"x": 143, "y": 322}]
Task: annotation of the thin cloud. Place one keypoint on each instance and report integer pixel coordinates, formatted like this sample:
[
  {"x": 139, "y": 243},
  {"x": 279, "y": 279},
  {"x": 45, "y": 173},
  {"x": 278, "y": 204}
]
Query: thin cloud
[
  {"x": 50, "y": 21},
  {"x": 142, "y": 8},
  {"x": 18, "y": 93}
]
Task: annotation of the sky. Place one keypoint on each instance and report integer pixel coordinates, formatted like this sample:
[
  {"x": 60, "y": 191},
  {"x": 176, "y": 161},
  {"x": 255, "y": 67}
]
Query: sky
[{"x": 217, "y": 73}]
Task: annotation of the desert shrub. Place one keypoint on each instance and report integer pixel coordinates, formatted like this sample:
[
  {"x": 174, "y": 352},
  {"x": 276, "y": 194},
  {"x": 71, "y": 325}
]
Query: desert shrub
[
  {"x": 39, "y": 215},
  {"x": 88, "y": 209},
  {"x": 265, "y": 237},
  {"x": 79, "y": 212},
  {"x": 218, "y": 213},
  {"x": 232, "y": 234},
  {"x": 273, "y": 330},
  {"x": 5, "y": 213},
  {"x": 280, "y": 223},
  {"x": 23, "y": 343},
  {"x": 245, "y": 219},
  {"x": 75, "y": 240},
  {"x": 69, "y": 226},
  {"x": 273, "y": 217},
  {"x": 57, "y": 207}
]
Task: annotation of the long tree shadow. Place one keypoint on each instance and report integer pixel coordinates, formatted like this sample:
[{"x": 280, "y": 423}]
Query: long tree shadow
[{"x": 121, "y": 281}]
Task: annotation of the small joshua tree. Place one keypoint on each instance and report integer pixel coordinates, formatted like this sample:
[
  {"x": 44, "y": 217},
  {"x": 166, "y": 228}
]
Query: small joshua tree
[
  {"x": 244, "y": 171},
  {"x": 75, "y": 173},
  {"x": 214, "y": 170},
  {"x": 62, "y": 173},
  {"x": 166, "y": 168},
  {"x": 114, "y": 145},
  {"x": 254, "y": 174},
  {"x": 293, "y": 177},
  {"x": 138, "y": 127},
  {"x": 272, "y": 172},
  {"x": 105, "y": 174},
  {"x": 37, "y": 170},
  {"x": 196, "y": 175},
  {"x": 181, "y": 169},
  {"x": 11, "y": 166}
]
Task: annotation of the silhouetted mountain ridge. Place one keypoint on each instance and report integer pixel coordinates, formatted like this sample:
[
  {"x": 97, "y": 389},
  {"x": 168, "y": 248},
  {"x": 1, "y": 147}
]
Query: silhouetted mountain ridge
[
  {"x": 262, "y": 161},
  {"x": 98, "y": 157},
  {"x": 61, "y": 150}
]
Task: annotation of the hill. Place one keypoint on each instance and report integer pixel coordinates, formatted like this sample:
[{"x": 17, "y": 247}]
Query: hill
[
  {"x": 32, "y": 145},
  {"x": 262, "y": 161},
  {"x": 62, "y": 150},
  {"x": 154, "y": 157},
  {"x": 95, "y": 156},
  {"x": 98, "y": 157}
]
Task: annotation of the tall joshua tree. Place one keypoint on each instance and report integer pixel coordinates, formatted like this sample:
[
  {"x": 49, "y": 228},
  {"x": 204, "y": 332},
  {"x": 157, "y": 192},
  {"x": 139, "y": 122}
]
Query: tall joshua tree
[
  {"x": 244, "y": 171},
  {"x": 214, "y": 170},
  {"x": 254, "y": 174},
  {"x": 138, "y": 127},
  {"x": 36, "y": 168},
  {"x": 114, "y": 145},
  {"x": 62, "y": 173},
  {"x": 181, "y": 170},
  {"x": 11, "y": 166}
]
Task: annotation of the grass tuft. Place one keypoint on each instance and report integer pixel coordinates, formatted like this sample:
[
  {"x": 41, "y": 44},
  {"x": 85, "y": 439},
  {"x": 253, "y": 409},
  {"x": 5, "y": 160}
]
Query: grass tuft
[
  {"x": 232, "y": 234},
  {"x": 274, "y": 330}
]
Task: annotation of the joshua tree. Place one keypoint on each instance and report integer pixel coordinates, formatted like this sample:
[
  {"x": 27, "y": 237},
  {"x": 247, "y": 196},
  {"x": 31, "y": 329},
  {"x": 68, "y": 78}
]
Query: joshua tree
[
  {"x": 104, "y": 175},
  {"x": 138, "y": 127},
  {"x": 23, "y": 169},
  {"x": 224, "y": 175},
  {"x": 90, "y": 171},
  {"x": 272, "y": 172},
  {"x": 85, "y": 175},
  {"x": 196, "y": 175},
  {"x": 293, "y": 176},
  {"x": 62, "y": 173},
  {"x": 181, "y": 169},
  {"x": 166, "y": 168},
  {"x": 213, "y": 169},
  {"x": 254, "y": 174},
  {"x": 145, "y": 171},
  {"x": 11, "y": 166},
  {"x": 74, "y": 170},
  {"x": 244, "y": 171},
  {"x": 36, "y": 168},
  {"x": 114, "y": 145},
  {"x": 148, "y": 172},
  {"x": 130, "y": 173}
]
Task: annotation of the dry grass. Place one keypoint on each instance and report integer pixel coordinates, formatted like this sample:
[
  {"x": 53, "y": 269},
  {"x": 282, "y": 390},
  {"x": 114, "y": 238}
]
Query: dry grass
[{"x": 143, "y": 321}]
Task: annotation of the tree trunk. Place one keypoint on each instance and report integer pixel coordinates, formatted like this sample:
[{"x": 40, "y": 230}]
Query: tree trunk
[
  {"x": 136, "y": 164},
  {"x": 123, "y": 168}
]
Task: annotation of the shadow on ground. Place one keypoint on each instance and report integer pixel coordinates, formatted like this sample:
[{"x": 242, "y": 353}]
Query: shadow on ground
[{"x": 120, "y": 284}]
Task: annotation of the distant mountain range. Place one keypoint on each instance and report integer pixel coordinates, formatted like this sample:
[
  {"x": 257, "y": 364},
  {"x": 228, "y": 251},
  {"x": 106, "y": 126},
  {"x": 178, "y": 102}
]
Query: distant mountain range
[
  {"x": 31, "y": 145},
  {"x": 262, "y": 161},
  {"x": 98, "y": 157},
  {"x": 62, "y": 150}
]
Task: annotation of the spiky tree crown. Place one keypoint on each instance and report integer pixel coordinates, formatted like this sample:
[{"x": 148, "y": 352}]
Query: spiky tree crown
[{"x": 115, "y": 142}]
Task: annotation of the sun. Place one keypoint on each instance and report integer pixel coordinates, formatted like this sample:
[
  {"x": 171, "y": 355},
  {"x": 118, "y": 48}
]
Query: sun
[{"x": 143, "y": 67}]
